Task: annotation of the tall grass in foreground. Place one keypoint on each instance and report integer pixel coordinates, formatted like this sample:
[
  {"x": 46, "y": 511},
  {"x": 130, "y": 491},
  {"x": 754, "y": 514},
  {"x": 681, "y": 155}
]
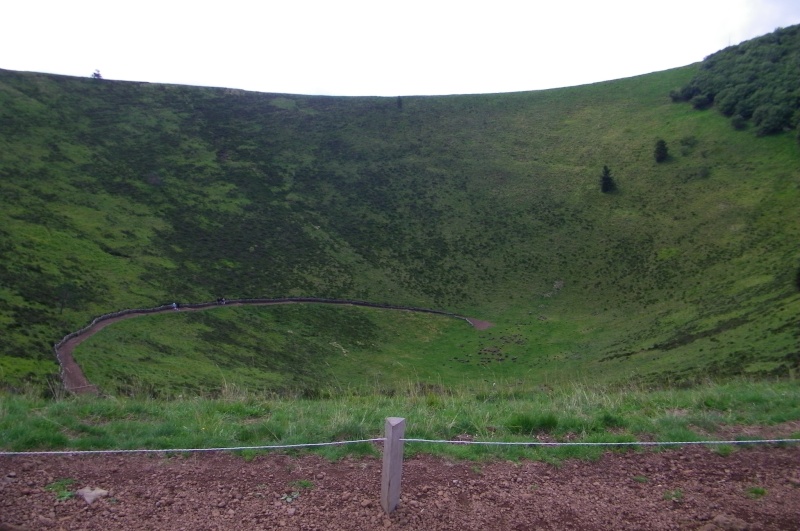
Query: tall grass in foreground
[{"x": 577, "y": 412}]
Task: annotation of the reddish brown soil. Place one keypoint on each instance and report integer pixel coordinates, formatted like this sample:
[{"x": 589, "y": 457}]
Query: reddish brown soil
[
  {"x": 478, "y": 324},
  {"x": 691, "y": 488}
]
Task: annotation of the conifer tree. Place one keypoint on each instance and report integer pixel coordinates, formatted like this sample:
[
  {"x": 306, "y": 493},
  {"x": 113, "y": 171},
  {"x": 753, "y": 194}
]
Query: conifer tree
[
  {"x": 607, "y": 184},
  {"x": 661, "y": 153}
]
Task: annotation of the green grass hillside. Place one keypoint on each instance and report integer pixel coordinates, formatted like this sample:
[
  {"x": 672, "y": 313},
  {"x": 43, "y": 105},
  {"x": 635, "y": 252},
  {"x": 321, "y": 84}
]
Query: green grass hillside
[{"x": 127, "y": 195}]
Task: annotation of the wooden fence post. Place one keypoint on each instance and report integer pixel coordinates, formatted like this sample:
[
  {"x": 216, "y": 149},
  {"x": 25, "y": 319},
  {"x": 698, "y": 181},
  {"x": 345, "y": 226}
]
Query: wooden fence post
[{"x": 394, "y": 429}]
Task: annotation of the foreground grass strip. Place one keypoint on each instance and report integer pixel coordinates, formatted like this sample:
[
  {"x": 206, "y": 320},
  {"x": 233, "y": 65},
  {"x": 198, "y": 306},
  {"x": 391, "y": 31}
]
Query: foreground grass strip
[{"x": 579, "y": 413}]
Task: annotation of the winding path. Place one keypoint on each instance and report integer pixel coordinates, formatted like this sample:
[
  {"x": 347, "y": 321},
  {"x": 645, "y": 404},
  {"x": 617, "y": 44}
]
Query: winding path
[{"x": 75, "y": 381}]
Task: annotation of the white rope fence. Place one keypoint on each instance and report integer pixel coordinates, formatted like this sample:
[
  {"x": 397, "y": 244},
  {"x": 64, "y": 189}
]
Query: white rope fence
[
  {"x": 187, "y": 450},
  {"x": 382, "y": 439},
  {"x": 626, "y": 443},
  {"x": 393, "y": 453},
  {"x": 394, "y": 430}
]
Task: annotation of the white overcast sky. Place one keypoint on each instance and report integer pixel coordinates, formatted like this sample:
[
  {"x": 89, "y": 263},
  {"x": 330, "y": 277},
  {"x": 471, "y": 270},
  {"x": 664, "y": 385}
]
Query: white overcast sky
[{"x": 377, "y": 47}]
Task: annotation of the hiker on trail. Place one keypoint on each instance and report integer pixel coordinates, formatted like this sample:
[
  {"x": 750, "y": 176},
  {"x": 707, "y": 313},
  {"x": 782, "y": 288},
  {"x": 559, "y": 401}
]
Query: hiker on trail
[{"x": 174, "y": 305}]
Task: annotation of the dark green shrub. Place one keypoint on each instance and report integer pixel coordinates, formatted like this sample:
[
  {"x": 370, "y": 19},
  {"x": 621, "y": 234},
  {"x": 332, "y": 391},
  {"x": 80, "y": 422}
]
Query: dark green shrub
[
  {"x": 609, "y": 420},
  {"x": 526, "y": 424},
  {"x": 771, "y": 119},
  {"x": 702, "y": 101},
  {"x": 738, "y": 122}
]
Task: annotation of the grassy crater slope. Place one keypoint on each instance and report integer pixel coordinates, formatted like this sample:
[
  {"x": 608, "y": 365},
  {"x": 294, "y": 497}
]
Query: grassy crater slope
[{"x": 122, "y": 195}]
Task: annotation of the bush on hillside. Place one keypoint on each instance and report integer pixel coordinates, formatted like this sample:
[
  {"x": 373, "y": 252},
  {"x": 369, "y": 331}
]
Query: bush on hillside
[
  {"x": 771, "y": 118},
  {"x": 702, "y": 101},
  {"x": 738, "y": 122},
  {"x": 757, "y": 80}
]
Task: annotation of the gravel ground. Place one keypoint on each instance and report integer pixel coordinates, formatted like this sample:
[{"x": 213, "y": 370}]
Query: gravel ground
[{"x": 689, "y": 488}]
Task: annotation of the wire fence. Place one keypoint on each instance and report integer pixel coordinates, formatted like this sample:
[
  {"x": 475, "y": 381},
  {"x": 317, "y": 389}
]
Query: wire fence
[
  {"x": 528, "y": 444},
  {"x": 189, "y": 450},
  {"x": 625, "y": 443},
  {"x": 393, "y": 441}
]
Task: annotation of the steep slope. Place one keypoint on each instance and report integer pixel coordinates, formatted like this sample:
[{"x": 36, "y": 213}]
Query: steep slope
[{"x": 119, "y": 195}]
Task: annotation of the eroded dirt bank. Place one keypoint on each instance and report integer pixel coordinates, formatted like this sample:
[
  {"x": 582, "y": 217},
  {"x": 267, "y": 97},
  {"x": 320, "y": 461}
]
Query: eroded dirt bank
[{"x": 691, "y": 488}]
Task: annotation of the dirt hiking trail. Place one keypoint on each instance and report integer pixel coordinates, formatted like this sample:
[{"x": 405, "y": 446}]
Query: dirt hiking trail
[{"x": 75, "y": 381}]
